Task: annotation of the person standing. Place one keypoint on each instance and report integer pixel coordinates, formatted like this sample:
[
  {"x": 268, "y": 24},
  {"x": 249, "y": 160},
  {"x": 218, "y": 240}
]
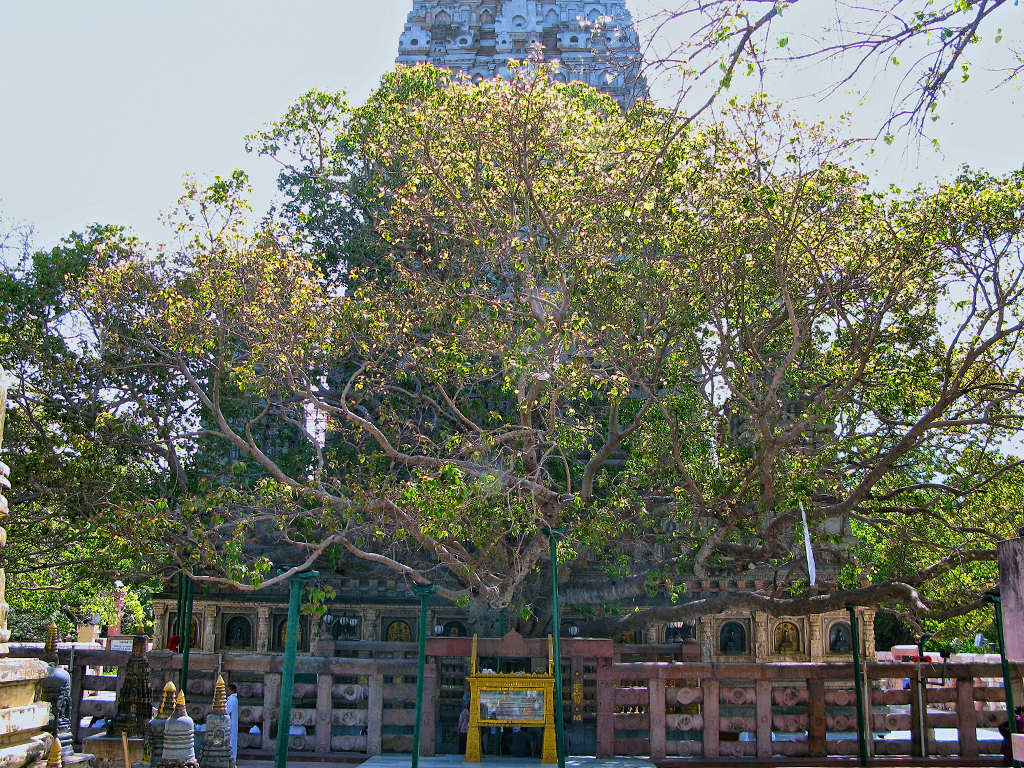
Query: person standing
[
  {"x": 231, "y": 708},
  {"x": 464, "y": 724}
]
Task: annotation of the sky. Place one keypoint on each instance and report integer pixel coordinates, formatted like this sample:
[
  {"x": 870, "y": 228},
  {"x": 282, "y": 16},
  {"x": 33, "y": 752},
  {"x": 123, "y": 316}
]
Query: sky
[{"x": 106, "y": 105}]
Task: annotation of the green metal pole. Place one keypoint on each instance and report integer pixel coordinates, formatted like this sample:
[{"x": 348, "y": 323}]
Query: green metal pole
[
  {"x": 291, "y": 646},
  {"x": 179, "y": 617},
  {"x": 556, "y": 638},
  {"x": 186, "y": 635},
  {"x": 1011, "y": 718},
  {"x": 424, "y": 592},
  {"x": 862, "y": 736}
]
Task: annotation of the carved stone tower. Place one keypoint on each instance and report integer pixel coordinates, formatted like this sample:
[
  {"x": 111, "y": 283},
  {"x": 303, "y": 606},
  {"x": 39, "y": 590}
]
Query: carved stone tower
[
  {"x": 57, "y": 691},
  {"x": 134, "y": 705},
  {"x": 5, "y": 485},
  {"x": 216, "y": 751},
  {"x": 594, "y": 39},
  {"x": 24, "y": 742}
]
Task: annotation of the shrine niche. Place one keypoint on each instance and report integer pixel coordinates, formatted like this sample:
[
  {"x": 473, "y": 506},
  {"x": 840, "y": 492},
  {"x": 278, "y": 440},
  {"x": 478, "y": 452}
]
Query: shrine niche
[
  {"x": 454, "y": 629},
  {"x": 840, "y": 639},
  {"x": 787, "y": 638},
  {"x": 238, "y": 633},
  {"x": 281, "y": 633},
  {"x": 398, "y": 632},
  {"x": 732, "y": 639},
  {"x": 172, "y": 629}
]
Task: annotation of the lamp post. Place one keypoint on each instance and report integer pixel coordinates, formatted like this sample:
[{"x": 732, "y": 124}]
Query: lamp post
[
  {"x": 423, "y": 592},
  {"x": 291, "y": 646},
  {"x": 1011, "y": 718},
  {"x": 556, "y": 641}
]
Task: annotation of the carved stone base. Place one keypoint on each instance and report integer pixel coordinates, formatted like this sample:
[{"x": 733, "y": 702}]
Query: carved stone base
[
  {"x": 192, "y": 763},
  {"x": 31, "y": 751},
  {"x": 108, "y": 751}
]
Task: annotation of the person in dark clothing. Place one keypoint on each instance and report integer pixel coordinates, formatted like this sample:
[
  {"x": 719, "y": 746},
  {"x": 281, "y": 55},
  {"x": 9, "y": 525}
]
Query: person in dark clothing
[
  {"x": 1004, "y": 731},
  {"x": 463, "y": 728},
  {"x": 521, "y": 744}
]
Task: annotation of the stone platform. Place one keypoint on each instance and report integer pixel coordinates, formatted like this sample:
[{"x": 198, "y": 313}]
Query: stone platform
[{"x": 456, "y": 761}]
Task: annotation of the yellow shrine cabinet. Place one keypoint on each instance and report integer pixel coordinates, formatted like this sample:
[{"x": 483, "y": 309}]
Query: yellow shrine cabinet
[{"x": 523, "y": 700}]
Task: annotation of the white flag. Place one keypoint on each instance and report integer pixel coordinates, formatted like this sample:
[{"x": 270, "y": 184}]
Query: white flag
[{"x": 812, "y": 569}]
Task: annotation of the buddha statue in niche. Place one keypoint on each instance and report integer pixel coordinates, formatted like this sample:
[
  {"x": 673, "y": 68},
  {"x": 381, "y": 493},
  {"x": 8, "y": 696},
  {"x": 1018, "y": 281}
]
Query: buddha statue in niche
[{"x": 787, "y": 638}]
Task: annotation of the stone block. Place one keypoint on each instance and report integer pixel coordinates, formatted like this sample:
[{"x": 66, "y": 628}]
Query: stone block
[
  {"x": 33, "y": 750},
  {"x": 19, "y": 680},
  {"x": 32, "y": 717},
  {"x": 1018, "y": 746}
]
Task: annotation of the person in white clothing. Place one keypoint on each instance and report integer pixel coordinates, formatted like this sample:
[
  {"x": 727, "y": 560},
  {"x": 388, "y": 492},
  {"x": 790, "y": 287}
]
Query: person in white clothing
[{"x": 231, "y": 708}]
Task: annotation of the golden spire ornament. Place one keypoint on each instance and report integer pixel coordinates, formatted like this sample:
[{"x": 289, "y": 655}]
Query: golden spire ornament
[
  {"x": 220, "y": 697},
  {"x": 167, "y": 701},
  {"x": 55, "y": 760}
]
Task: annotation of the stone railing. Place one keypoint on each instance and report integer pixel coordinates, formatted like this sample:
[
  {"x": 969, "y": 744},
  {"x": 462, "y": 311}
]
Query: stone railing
[{"x": 668, "y": 710}]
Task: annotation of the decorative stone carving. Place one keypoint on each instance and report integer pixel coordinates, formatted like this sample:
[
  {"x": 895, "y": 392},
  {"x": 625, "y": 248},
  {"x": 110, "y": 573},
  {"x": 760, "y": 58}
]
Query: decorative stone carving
[
  {"x": 209, "y": 628},
  {"x": 216, "y": 751},
  {"x": 155, "y": 727},
  {"x": 134, "y": 705},
  {"x": 57, "y": 692},
  {"x": 262, "y": 630},
  {"x": 179, "y": 749}
]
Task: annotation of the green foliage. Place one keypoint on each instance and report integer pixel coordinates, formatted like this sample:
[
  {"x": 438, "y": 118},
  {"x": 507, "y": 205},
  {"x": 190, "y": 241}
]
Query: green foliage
[{"x": 490, "y": 307}]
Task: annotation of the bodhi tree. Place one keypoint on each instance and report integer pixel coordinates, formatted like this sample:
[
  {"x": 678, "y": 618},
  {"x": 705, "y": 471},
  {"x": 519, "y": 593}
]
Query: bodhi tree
[{"x": 556, "y": 316}]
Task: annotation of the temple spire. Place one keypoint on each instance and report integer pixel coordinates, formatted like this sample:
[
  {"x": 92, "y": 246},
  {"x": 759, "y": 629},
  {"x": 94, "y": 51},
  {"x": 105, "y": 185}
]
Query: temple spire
[{"x": 595, "y": 42}]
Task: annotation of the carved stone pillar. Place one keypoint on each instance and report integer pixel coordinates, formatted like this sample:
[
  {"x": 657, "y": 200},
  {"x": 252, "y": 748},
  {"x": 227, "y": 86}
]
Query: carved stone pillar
[
  {"x": 814, "y": 644},
  {"x": 209, "y": 628},
  {"x": 869, "y": 634},
  {"x": 370, "y": 624},
  {"x": 707, "y": 640},
  {"x": 271, "y": 701},
  {"x": 262, "y": 629},
  {"x": 761, "y": 640},
  {"x": 159, "y": 625},
  {"x": 5, "y": 473}
]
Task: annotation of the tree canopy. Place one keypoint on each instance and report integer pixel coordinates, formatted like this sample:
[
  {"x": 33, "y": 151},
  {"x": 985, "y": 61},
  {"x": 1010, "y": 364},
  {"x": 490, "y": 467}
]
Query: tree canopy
[{"x": 491, "y": 307}]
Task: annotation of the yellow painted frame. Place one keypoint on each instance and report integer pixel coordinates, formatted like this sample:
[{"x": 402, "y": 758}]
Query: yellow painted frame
[{"x": 522, "y": 681}]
